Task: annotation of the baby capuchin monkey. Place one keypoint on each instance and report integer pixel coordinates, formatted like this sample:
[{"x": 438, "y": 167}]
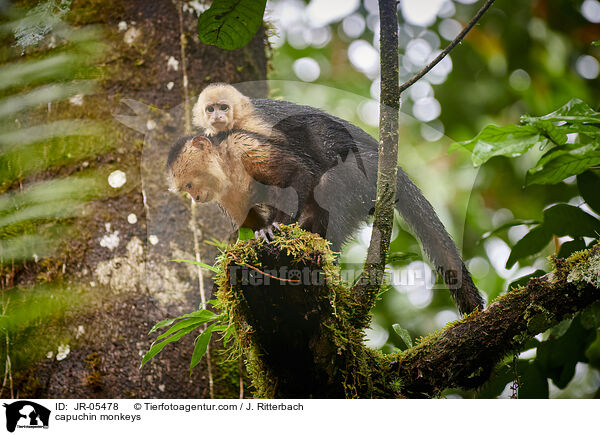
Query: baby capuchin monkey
[
  {"x": 275, "y": 125},
  {"x": 221, "y": 107}
]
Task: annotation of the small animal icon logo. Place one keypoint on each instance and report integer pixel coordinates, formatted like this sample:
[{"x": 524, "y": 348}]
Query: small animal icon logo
[{"x": 26, "y": 414}]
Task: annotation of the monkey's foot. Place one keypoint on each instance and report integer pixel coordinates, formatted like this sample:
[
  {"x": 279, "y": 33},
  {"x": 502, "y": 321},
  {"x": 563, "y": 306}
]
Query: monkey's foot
[{"x": 267, "y": 233}]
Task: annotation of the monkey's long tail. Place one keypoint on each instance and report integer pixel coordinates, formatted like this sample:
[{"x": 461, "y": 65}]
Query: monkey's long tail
[{"x": 437, "y": 244}]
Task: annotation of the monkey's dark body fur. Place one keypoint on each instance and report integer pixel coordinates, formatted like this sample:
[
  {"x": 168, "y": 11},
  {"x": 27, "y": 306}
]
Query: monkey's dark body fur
[{"x": 313, "y": 152}]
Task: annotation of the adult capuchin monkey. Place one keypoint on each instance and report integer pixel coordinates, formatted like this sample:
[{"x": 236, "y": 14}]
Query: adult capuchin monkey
[{"x": 281, "y": 145}]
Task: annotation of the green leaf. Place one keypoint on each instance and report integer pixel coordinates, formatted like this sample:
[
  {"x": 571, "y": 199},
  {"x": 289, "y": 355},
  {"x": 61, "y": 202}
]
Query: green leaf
[
  {"x": 506, "y": 226},
  {"x": 575, "y": 111},
  {"x": 231, "y": 24},
  {"x": 10, "y": 106},
  {"x": 220, "y": 327},
  {"x": 32, "y": 71},
  {"x": 590, "y": 317},
  {"x": 503, "y": 374},
  {"x": 219, "y": 244},
  {"x": 533, "y": 242},
  {"x": 245, "y": 234},
  {"x": 56, "y": 210},
  {"x": 589, "y": 188},
  {"x": 202, "y": 316},
  {"x": 584, "y": 130},
  {"x": 201, "y": 346},
  {"x": 593, "y": 352},
  {"x": 514, "y": 140},
  {"x": 157, "y": 347},
  {"x": 568, "y": 248},
  {"x": 560, "y": 163},
  {"x": 11, "y": 140},
  {"x": 510, "y": 140},
  {"x": 552, "y": 132},
  {"x": 403, "y": 334},
  {"x": 182, "y": 324},
  {"x": 533, "y": 383},
  {"x": 197, "y": 263},
  {"x": 559, "y": 220},
  {"x": 568, "y": 220},
  {"x": 558, "y": 357},
  {"x": 228, "y": 335},
  {"x": 532, "y": 343},
  {"x": 24, "y": 246},
  {"x": 32, "y": 211},
  {"x": 560, "y": 329},
  {"x": 596, "y": 43}
]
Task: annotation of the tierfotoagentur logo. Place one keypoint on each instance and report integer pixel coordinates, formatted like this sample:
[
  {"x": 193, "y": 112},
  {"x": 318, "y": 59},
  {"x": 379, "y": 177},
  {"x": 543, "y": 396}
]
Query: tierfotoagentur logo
[{"x": 25, "y": 414}]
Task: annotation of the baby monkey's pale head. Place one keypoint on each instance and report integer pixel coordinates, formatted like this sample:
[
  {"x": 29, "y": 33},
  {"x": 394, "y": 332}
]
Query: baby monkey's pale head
[{"x": 220, "y": 107}]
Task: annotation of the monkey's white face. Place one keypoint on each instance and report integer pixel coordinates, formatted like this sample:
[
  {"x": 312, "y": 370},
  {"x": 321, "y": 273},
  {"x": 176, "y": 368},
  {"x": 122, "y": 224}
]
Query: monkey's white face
[
  {"x": 219, "y": 116},
  {"x": 221, "y": 108}
]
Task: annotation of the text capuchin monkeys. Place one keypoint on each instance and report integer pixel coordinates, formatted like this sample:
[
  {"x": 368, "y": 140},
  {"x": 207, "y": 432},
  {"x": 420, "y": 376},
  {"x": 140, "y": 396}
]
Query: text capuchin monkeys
[{"x": 247, "y": 171}]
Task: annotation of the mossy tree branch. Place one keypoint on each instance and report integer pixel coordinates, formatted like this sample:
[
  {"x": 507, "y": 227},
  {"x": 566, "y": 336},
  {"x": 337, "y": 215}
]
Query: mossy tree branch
[
  {"x": 464, "y": 354},
  {"x": 295, "y": 322},
  {"x": 367, "y": 288}
]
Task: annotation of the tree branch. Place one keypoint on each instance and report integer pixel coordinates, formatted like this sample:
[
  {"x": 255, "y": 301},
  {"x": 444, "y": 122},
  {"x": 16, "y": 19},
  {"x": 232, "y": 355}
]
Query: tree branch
[
  {"x": 303, "y": 340},
  {"x": 407, "y": 84},
  {"x": 368, "y": 285},
  {"x": 465, "y": 354}
]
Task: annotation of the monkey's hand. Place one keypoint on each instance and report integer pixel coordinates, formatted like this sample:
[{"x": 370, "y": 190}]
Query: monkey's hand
[{"x": 267, "y": 233}]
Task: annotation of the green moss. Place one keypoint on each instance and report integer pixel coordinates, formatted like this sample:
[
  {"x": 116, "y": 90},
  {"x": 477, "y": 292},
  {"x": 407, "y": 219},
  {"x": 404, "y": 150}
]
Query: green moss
[
  {"x": 422, "y": 343},
  {"x": 94, "y": 11},
  {"x": 584, "y": 269},
  {"x": 339, "y": 345},
  {"x": 227, "y": 377},
  {"x": 94, "y": 377},
  {"x": 26, "y": 385}
]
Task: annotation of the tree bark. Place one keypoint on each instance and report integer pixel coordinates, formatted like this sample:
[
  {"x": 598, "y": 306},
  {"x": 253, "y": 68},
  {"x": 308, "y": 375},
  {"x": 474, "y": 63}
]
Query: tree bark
[{"x": 130, "y": 288}]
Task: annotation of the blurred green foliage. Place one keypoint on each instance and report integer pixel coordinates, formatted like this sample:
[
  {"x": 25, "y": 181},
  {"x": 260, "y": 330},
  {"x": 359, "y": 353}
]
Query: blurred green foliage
[
  {"x": 41, "y": 191},
  {"x": 32, "y": 144},
  {"x": 522, "y": 58},
  {"x": 571, "y": 342}
]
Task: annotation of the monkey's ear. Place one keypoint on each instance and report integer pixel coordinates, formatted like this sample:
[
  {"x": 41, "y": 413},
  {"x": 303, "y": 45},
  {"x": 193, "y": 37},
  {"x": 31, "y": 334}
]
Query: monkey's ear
[
  {"x": 201, "y": 141},
  {"x": 247, "y": 107}
]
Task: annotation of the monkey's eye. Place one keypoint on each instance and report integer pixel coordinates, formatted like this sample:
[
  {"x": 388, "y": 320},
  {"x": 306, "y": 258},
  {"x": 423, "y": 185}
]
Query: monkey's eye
[
  {"x": 210, "y": 109},
  {"x": 224, "y": 107},
  {"x": 188, "y": 186}
]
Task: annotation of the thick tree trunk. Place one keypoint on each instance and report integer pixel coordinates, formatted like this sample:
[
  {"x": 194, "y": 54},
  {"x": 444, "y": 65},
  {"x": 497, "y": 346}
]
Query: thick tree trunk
[{"x": 132, "y": 286}]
